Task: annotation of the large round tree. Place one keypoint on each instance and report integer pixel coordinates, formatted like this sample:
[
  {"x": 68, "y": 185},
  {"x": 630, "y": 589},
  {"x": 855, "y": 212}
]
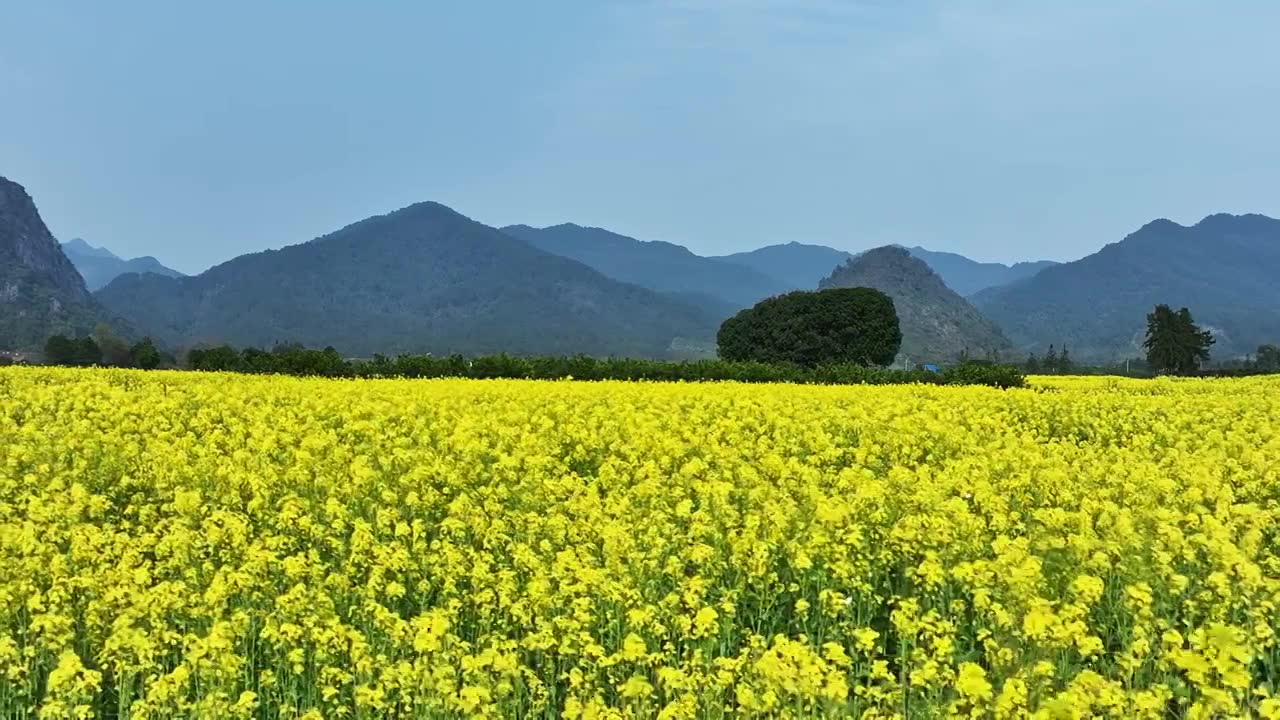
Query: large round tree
[{"x": 840, "y": 325}]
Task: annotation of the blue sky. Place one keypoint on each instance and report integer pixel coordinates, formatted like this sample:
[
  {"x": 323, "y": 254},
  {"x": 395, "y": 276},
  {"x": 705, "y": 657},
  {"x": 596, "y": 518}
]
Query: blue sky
[{"x": 1002, "y": 130}]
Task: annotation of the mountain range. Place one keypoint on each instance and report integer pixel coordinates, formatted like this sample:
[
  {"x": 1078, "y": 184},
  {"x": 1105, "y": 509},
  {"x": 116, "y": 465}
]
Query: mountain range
[
  {"x": 968, "y": 277},
  {"x": 99, "y": 266},
  {"x": 40, "y": 291},
  {"x": 1225, "y": 268},
  {"x": 427, "y": 279},
  {"x": 801, "y": 266},
  {"x": 720, "y": 287},
  {"x": 938, "y": 325},
  {"x": 421, "y": 279},
  {"x": 798, "y": 266}
]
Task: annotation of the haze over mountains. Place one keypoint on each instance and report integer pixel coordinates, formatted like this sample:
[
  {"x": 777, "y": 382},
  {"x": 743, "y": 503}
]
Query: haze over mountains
[
  {"x": 421, "y": 279},
  {"x": 427, "y": 279},
  {"x": 1225, "y": 268},
  {"x": 801, "y": 266},
  {"x": 727, "y": 283},
  {"x": 661, "y": 266},
  {"x": 99, "y": 266},
  {"x": 938, "y": 324},
  {"x": 967, "y": 276}
]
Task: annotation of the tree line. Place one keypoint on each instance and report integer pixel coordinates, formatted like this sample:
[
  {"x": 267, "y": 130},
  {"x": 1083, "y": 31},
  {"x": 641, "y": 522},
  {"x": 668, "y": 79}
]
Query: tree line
[
  {"x": 103, "y": 347},
  {"x": 296, "y": 360},
  {"x": 860, "y": 325},
  {"x": 834, "y": 336},
  {"x": 1053, "y": 363},
  {"x": 837, "y": 336},
  {"x": 1173, "y": 345}
]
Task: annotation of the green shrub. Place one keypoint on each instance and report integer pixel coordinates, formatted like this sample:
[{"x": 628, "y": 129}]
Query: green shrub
[{"x": 839, "y": 325}]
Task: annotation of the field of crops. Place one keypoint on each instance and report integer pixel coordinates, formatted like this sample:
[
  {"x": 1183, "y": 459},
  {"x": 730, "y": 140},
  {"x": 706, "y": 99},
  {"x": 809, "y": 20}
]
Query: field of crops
[{"x": 188, "y": 545}]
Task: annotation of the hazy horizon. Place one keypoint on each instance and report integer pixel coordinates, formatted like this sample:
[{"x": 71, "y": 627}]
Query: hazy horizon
[{"x": 196, "y": 134}]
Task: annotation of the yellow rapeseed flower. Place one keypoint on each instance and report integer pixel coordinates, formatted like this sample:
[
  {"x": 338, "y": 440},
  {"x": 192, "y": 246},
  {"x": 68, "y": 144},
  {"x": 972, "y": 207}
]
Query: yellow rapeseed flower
[{"x": 212, "y": 545}]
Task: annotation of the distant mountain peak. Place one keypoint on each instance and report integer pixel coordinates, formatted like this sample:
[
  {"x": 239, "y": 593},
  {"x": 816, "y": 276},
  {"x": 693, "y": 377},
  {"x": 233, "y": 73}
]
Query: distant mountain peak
[
  {"x": 873, "y": 264},
  {"x": 1248, "y": 222},
  {"x": 802, "y": 265},
  {"x": 99, "y": 266},
  {"x": 891, "y": 251},
  {"x": 79, "y": 246},
  {"x": 426, "y": 210},
  {"x": 596, "y": 235},
  {"x": 1223, "y": 269},
  {"x": 1221, "y": 216},
  {"x": 1216, "y": 222},
  {"x": 938, "y": 325},
  {"x": 795, "y": 265},
  {"x": 1213, "y": 218},
  {"x": 719, "y": 287},
  {"x": 969, "y": 277},
  {"x": 424, "y": 278}
]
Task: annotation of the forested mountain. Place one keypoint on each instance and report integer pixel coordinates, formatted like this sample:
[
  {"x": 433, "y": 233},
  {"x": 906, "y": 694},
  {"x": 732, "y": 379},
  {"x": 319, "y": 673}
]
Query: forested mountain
[
  {"x": 99, "y": 266},
  {"x": 967, "y": 276},
  {"x": 421, "y": 279},
  {"x": 40, "y": 291},
  {"x": 662, "y": 266},
  {"x": 426, "y": 279},
  {"x": 724, "y": 283},
  {"x": 801, "y": 266},
  {"x": 938, "y": 325},
  {"x": 796, "y": 265},
  {"x": 1226, "y": 269}
]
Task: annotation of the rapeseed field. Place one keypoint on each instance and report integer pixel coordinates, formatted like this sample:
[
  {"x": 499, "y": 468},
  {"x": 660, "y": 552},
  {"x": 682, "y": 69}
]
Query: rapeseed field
[{"x": 218, "y": 546}]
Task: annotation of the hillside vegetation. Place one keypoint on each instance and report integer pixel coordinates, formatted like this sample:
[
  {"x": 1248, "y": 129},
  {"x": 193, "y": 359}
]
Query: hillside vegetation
[
  {"x": 99, "y": 266},
  {"x": 1224, "y": 268},
  {"x": 938, "y": 326},
  {"x": 40, "y": 291},
  {"x": 661, "y": 266},
  {"x": 421, "y": 279}
]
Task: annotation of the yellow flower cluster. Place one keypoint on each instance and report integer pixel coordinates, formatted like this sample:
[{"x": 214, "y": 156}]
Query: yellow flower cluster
[{"x": 217, "y": 546}]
